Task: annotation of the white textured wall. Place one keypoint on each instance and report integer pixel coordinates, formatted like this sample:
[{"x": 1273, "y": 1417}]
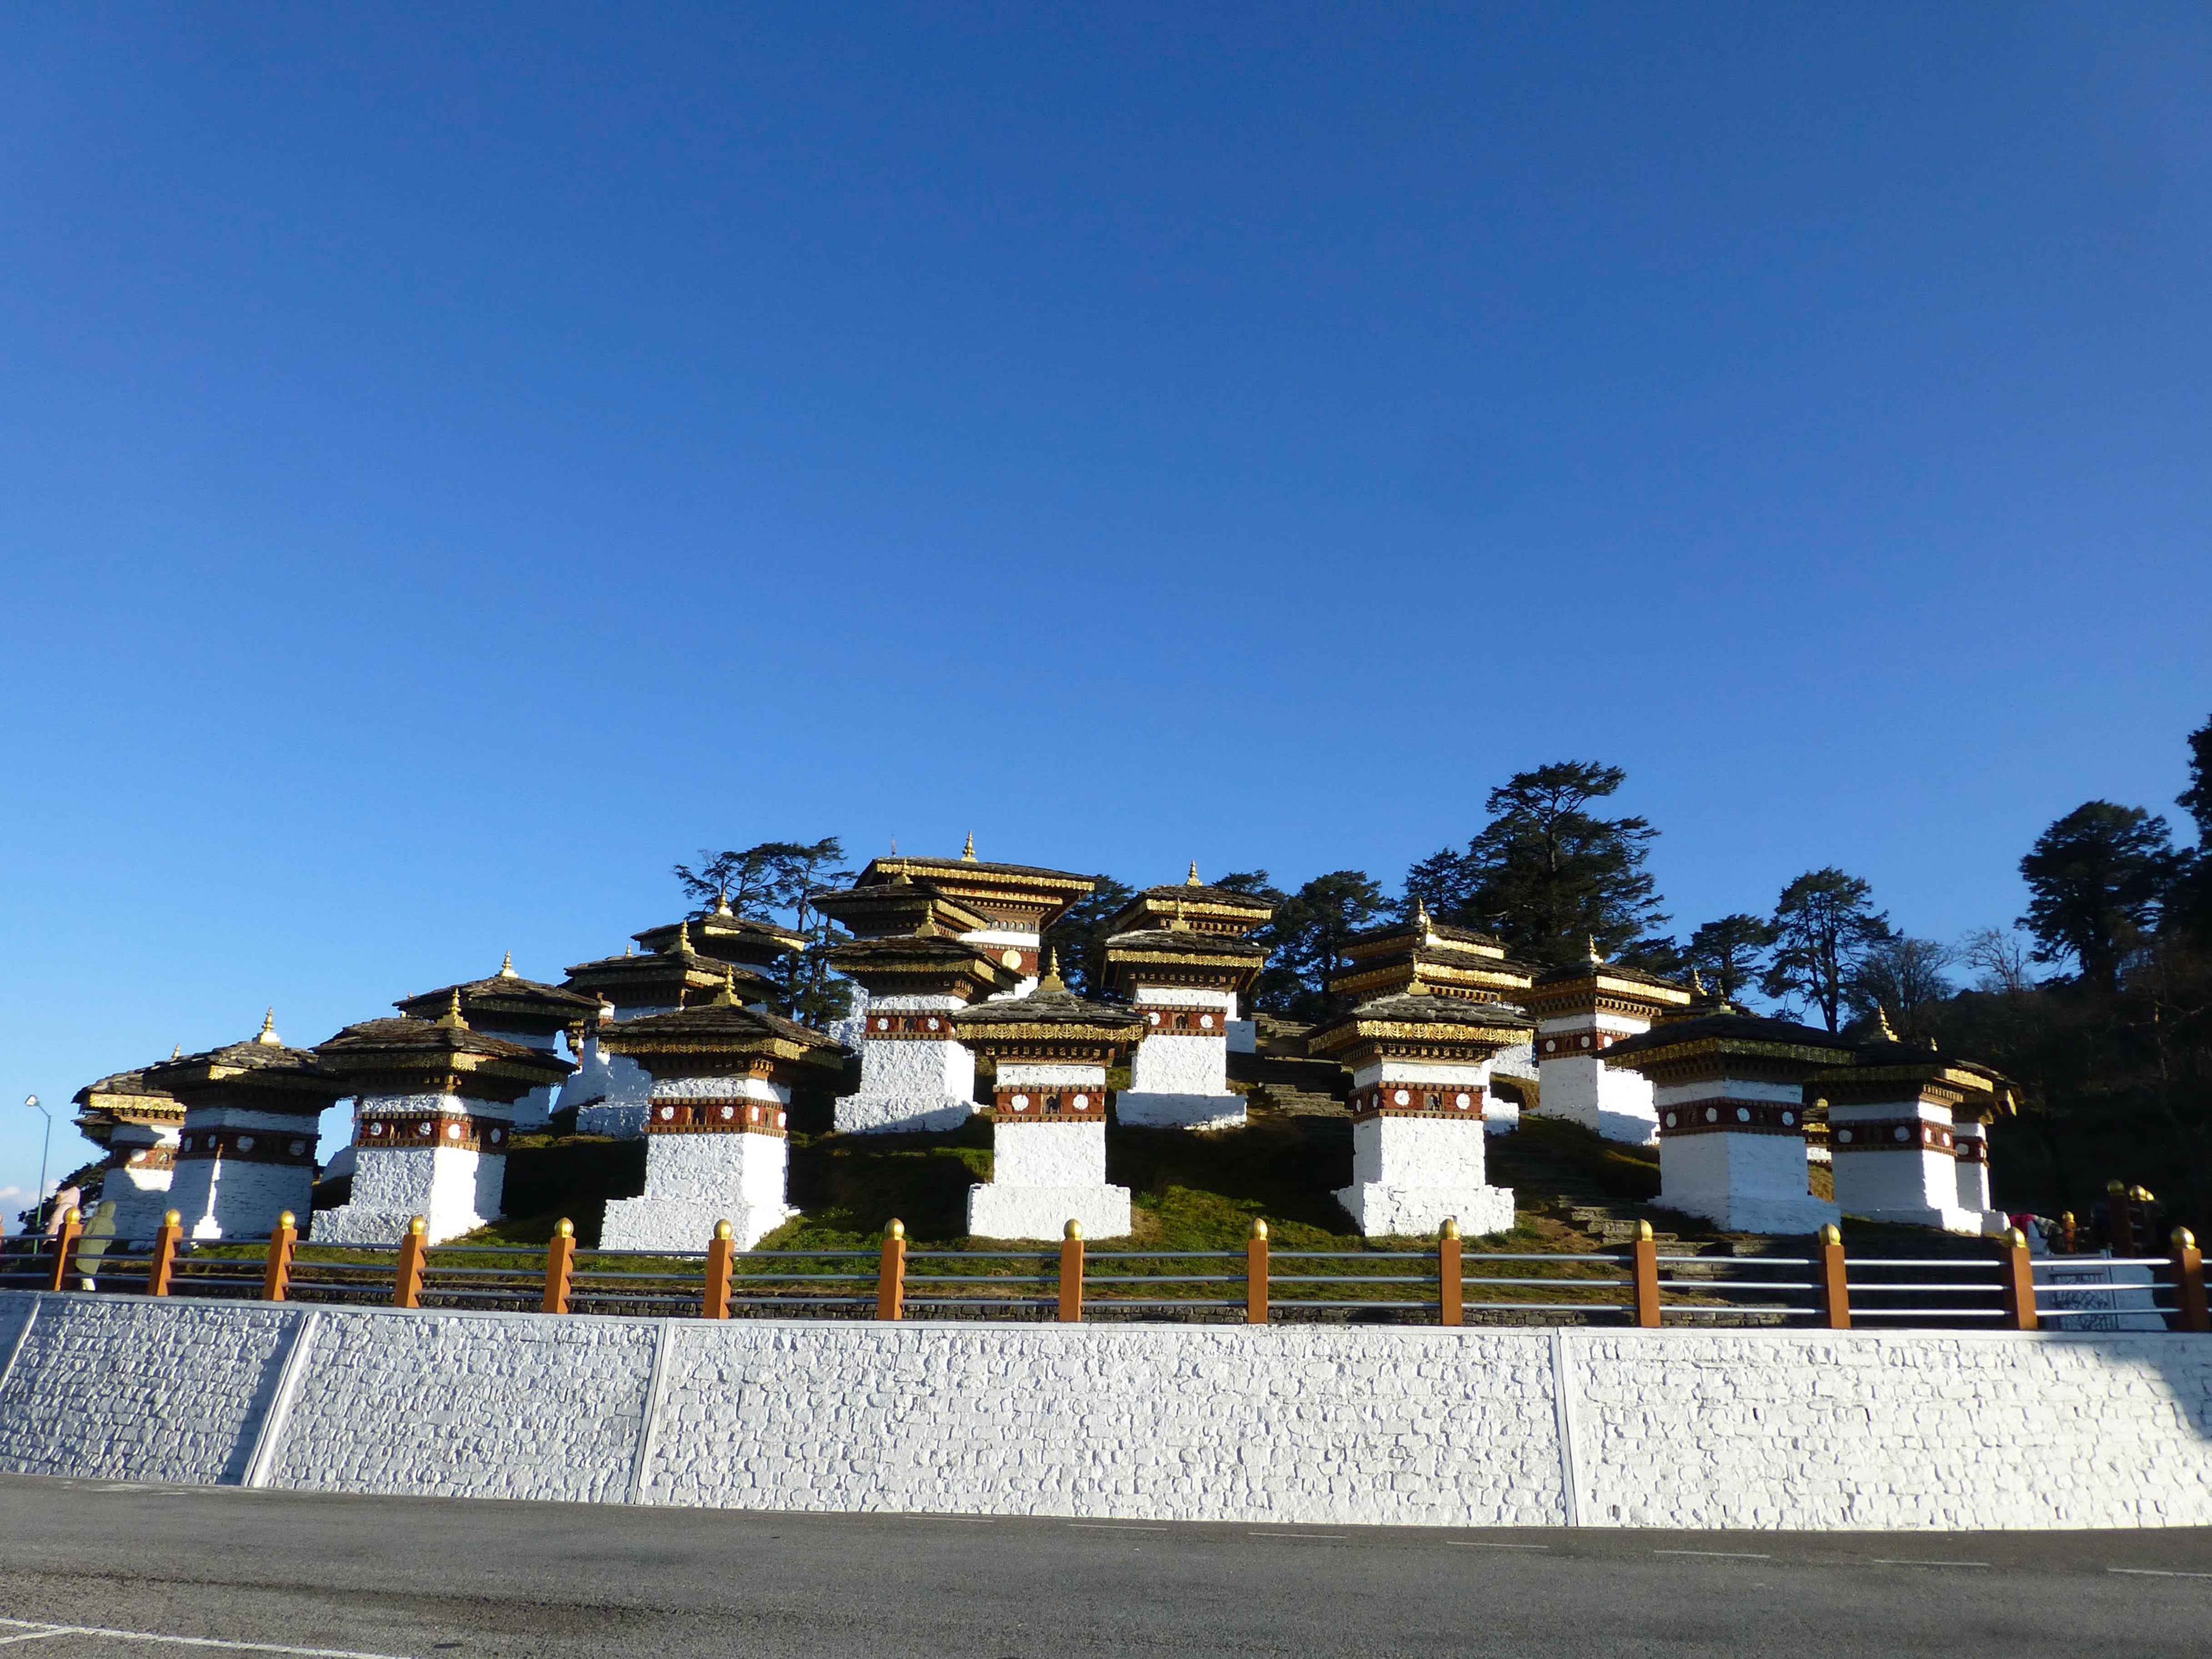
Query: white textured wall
[
  {"x": 141, "y": 1197},
  {"x": 453, "y": 1190},
  {"x": 1172, "y": 1064},
  {"x": 1410, "y": 1175},
  {"x": 236, "y": 1198},
  {"x": 693, "y": 1180},
  {"x": 1044, "y": 1175},
  {"x": 1743, "y": 1183},
  {"x": 1287, "y": 1424},
  {"x": 909, "y": 1085}
]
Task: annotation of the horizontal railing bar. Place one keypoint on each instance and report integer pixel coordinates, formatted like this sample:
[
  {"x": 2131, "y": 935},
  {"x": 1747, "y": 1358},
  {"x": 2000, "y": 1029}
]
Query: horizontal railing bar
[
  {"x": 1166, "y": 1255},
  {"x": 2099, "y": 1313},
  {"x": 1558, "y": 1284},
  {"x": 1159, "y": 1302},
  {"x": 483, "y": 1273},
  {"x": 1931, "y": 1313},
  {"x": 1356, "y": 1255},
  {"x": 1716, "y": 1285},
  {"x": 1545, "y": 1307},
  {"x": 980, "y": 1280},
  {"x": 808, "y": 1279},
  {"x": 802, "y": 1301},
  {"x": 1091, "y": 1280},
  {"x": 1741, "y": 1261},
  {"x": 980, "y": 1255},
  {"x": 1409, "y": 1280},
  {"x": 596, "y": 1253},
  {"x": 1302, "y": 1302},
  {"x": 1964, "y": 1263},
  {"x": 1506, "y": 1255},
  {"x": 1891, "y": 1290},
  {"x": 1734, "y": 1308},
  {"x": 477, "y": 1296}
]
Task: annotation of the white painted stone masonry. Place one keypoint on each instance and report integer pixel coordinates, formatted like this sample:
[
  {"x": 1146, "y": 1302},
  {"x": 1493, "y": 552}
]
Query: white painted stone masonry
[{"x": 1288, "y": 1423}]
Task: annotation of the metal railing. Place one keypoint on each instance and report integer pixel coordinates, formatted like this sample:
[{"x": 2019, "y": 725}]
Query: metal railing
[{"x": 1441, "y": 1284}]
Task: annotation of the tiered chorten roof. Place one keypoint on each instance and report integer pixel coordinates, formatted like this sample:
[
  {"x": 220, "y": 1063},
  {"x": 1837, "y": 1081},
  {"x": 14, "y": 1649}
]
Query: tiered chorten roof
[
  {"x": 925, "y": 965},
  {"x": 1181, "y": 954},
  {"x": 1880, "y": 1064},
  {"x": 505, "y": 1002},
  {"x": 1019, "y": 897},
  {"x": 1213, "y": 910},
  {"x": 726, "y": 936},
  {"x": 1594, "y": 982},
  {"x": 1426, "y": 955},
  {"x": 443, "y": 1056},
  {"x": 124, "y": 1098},
  {"x": 666, "y": 978},
  {"x": 1050, "y": 1024},
  {"x": 260, "y": 1073},
  {"x": 711, "y": 1038},
  {"x": 1420, "y": 1025},
  {"x": 901, "y": 906},
  {"x": 1728, "y": 1040}
]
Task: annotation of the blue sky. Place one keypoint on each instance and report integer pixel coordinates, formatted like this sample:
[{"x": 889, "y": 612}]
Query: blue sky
[{"x": 455, "y": 462}]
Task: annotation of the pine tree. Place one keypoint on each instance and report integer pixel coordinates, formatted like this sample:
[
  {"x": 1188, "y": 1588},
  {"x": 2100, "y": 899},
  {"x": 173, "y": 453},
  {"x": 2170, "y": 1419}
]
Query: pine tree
[
  {"x": 776, "y": 881},
  {"x": 1731, "y": 951},
  {"x": 1079, "y": 935},
  {"x": 2096, "y": 879},
  {"x": 1823, "y": 922}
]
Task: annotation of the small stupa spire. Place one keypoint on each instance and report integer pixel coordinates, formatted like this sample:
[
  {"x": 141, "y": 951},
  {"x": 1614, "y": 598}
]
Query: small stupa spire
[
  {"x": 1697, "y": 983},
  {"x": 1192, "y": 880},
  {"x": 722, "y": 902},
  {"x": 1181, "y": 923},
  {"x": 726, "y": 994},
  {"x": 268, "y": 1038},
  {"x": 1421, "y": 914},
  {"x": 507, "y": 966},
  {"x": 968, "y": 853},
  {"x": 451, "y": 1019},
  {"x": 1596, "y": 959},
  {"x": 1052, "y": 981},
  {"x": 682, "y": 946},
  {"x": 177, "y": 1051},
  {"x": 1881, "y": 1023}
]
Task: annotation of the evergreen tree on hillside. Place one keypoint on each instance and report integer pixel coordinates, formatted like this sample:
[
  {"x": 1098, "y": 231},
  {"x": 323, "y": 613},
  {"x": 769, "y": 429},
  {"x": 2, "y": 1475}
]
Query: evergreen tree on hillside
[
  {"x": 2095, "y": 880},
  {"x": 1731, "y": 951},
  {"x": 1546, "y": 875},
  {"x": 1904, "y": 977},
  {"x": 2190, "y": 901},
  {"x": 1306, "y": 939},
  {"x": 776, "y": 881},
  {"x": 1824, "y": 922},
  {"x": 1079, "y": 935}
]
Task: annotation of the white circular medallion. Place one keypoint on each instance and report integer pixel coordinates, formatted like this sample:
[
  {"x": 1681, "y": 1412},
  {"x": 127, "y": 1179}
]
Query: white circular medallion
[
  {"x": 1903, "y": 1133},
  {"x": 1670, "y": 1120},
  {"x": 298, "y": 1147},
  {"x": 729, "y": 1112},
  {"x": 1020, "y": 1102},
  {"x": 1009, "y": 958},
  {"x": 933, "y": 1022},
  {"x": 882, "y": 1025},
  {"x": 1207, "y": 1021},
  {"x": 1743, "y": 1113},
  {"x": 246, "y": 1143},
  {"x": 778, "y": 1119},
  {"x": 1843, "y": 1135},
  {"x": 1080, "y": 1102},
  {"x": 1712, "y": 1116},
  {"x": 1788, "y": 1118},
  {"x": 667, "y": 1112},
  {"x": 1400, "y": 1098}
]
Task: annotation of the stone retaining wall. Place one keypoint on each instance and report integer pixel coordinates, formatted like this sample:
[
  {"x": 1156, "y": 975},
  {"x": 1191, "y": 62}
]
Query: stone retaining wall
[{"x": 1288, "y": 1423}]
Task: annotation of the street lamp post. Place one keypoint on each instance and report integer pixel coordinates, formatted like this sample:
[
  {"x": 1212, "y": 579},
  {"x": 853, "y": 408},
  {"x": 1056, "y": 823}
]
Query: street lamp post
[{"x": 46, "y": 1147}]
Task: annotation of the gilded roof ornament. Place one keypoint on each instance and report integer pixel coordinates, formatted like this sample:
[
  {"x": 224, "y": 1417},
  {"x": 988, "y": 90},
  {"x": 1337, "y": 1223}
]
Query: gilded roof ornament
[
  {"x": 507, "y": 966},
  {"x": 1181, "y": 923},
  {"x": 1192, "y": 880},
  {"x": 726, "y": 994},
  {"x": 722, "y": 902},
  {"x": 452, "y": 1019},
  {"x": 268, "y": 1038},
  {"x": 1881, "y": 1023},
  {"x": 1697, "y": 983},
  {"x": 1421, "y": 914},
  {"x": 1597, "y": 960},
  {"x": 177, "y": 1051},
  {"x": 682, "y": 946},
  {"x": 968, "y": 853},
  {"x": 1052, "y": 981}
]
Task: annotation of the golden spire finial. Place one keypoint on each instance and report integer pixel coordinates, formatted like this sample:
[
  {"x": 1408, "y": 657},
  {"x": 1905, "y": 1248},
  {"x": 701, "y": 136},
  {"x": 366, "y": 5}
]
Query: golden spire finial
[
  {"x": 1421, "y": 914},
  {"x": 1180, "y": 923},
  {"x": 177, "y": 1051},
  {"x": 684, "y": 938},
  {"x": 1595, "y": 957},
  {"x": 452, "y": 1019},
  {"x": 1192, "y": 880},
  {"x": 968, "y": 853},
  {"x": 507, "y": 966},
  {"x": 726, "y": 994},
  {"x": 626, "y": 950},
  {"x": 1881, "y": 1023},
  {"x": 268, "y": 1038},
  {"x": 1052, "y": 981},
  {"x": 1697, "y": 983},
  {"x": 722, "y": 902}
]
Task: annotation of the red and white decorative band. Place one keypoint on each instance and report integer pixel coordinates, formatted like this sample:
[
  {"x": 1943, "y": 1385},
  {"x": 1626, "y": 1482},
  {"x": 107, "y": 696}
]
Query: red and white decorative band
[
  {"x": 147, "y": 1158},
  {"x": 248, "y": 1145},
  {"x": 1562, "y": 1045},
  {"x": 1184, "y": 1022},
  {"x": 427, "y": 1134},
  {"x": 1417, "y": 1100},
  {"x": 928, "y": 1028},
  {"x": 1734, "y": 1117},
  {"x": 715, "y": 1117},
  {"x": 1971, "y": 1148},
  {"x": 1890, "y": 1134},
  {"x": 1061, "y": 1105}
]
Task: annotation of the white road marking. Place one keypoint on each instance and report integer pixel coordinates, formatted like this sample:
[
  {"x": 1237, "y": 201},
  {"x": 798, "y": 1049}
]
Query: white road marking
[
  {"x": 1470, "y": 1544},
  {"x": 1717, "y": 1555},
  {"x": 2157, "y": 1572},
  {"x": 32, "y": 1636},
  {"x": 1886, "y": 1561},
  {"x": 1113, "y": 1526},
  {"x": 38, "y": 1628},
  {"x": 1300, "y": 1536}
]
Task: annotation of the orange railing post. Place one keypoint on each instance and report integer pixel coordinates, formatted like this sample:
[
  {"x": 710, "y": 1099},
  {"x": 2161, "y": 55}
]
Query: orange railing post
[
  {"x": 1255, "y": 1275},
  {"x": 2189, "y": 1281},
  {"x": 2018, "y": 1275},
  {"x": 891, "y": 1276},
  {"x": 560, "y": 1267},
  {"x": 163, "y": 1261},
  {"x": 1071, "y": 1273},
  {"x": 716, "y": 1303},
  {"x": 407, "y": 1283},
  {"x": 1644, "y": 1265},
  {"x": 1451, "y": 1280},
  {"x": 276, "y": 1272},
  {"x": 72, "y": 1229},
  {"x": 1835, "y": 1279}
]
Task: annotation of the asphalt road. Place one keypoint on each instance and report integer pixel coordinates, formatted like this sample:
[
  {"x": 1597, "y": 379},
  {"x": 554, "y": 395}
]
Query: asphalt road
[{"x": 93, "y": 1569}]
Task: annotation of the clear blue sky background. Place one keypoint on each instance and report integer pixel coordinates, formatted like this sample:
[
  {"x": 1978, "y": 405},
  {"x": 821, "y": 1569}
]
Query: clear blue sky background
[{"x": 455, "y": 461}]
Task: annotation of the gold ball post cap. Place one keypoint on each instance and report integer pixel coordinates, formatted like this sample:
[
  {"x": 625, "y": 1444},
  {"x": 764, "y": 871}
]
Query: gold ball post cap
[
  {"x": 2184, "y": 1239},
  {"x": 1259, "y": 1228},
  {"x": 1832, "y": 1234},
  {"x": 2014, "y": 1239},
  {"x": 1074, "y": 1229},
  {"x": 1450, "y": 1228},
  {"x": 894, "y": 1228},
  {"x": 417, "y": 1226},
  {"x": 286, "y": 1221},
  {"x": 1644, "y": 1232},
  {"x": 565, "y": 1228},
  {"x": 173, "y": 1218},
  {"x": 724, "y": 1230}
]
